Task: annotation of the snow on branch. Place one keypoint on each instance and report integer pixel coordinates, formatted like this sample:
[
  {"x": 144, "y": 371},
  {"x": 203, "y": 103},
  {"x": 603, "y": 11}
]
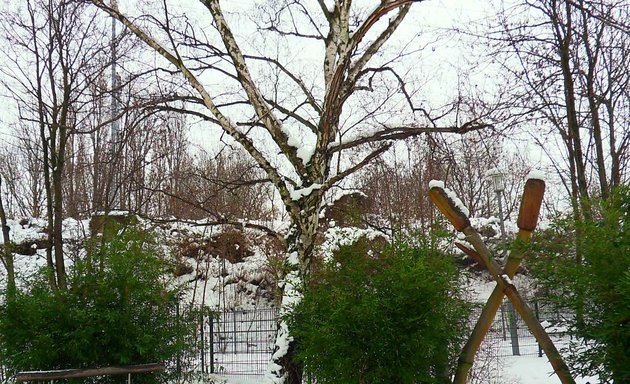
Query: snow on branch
[
  {"x": 297, "y": 194},
  {"x": 398, "y": 133}
]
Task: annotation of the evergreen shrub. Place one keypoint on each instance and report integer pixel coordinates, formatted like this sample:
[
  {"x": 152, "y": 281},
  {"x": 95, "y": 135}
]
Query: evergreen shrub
[
  {"x": 583, "y": 269},
  {"x": 119, "y": 309},
  {"x": 391, "y": 315}
]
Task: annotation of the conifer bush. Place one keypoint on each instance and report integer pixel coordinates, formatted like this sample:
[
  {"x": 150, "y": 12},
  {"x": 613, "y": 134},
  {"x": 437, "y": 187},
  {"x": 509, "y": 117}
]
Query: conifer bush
[{"x": 381, "y": 316}]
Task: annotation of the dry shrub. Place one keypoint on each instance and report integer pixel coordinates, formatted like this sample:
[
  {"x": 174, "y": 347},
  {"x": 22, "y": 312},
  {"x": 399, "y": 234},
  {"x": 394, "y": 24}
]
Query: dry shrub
[
  {"x": 348, "y": 210},
  {"x": 191, "y": 248},
  {"x": 182, "y": 268},
  {"x": 232, "y": 246},
  {"x": 275, "y": 252}
]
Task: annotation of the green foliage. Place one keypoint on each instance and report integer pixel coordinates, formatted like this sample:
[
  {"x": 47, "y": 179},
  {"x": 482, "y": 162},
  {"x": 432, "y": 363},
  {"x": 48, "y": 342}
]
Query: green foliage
[
  {"x": 381, "y": 316},
  {"x": 118, "y": 310},
  {"x": 584, "y": 270}
]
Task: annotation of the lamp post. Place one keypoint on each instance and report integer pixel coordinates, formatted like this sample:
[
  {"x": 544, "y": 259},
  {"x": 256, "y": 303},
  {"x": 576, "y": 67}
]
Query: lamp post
[
  {"x": 115, "y": 127},
  {"x": 499, "y": 187}
]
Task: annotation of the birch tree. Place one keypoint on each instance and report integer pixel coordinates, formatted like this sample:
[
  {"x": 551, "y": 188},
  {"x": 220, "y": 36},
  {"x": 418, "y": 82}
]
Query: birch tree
[{"x": 296, "y": 116}]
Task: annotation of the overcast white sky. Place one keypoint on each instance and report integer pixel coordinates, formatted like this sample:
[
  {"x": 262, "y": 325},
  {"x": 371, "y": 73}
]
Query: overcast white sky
[{"x": 425, "y": 18}]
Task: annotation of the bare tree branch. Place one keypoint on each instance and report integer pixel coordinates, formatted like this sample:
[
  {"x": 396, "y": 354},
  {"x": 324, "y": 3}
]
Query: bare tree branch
[
  {"x": 265, "y": 114},
  {"x": 223, "y": 121},
  {"x": 399, "y": 133}
]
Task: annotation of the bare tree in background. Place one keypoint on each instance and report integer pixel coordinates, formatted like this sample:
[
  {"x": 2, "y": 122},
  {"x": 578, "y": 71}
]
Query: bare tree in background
[
  {"x": 226, "y": 188},
  {"x": 59, "y": 77},
  {"x": 7, "y": 252},
  {"x": 465, "y": 161},
  {"x": 22, "y": 176},
  {"x": 569, "y": 78},
  {"x": 55, "y": 53},
  {"x": 290, "y": 116},
  {"x": 394, "y": 184}
]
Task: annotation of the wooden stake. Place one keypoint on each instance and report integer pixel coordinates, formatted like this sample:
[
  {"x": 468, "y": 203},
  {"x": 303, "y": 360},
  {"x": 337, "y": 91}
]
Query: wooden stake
[
  {"x": 529, "y": 211},
  {"x": 530, "y": 204}
]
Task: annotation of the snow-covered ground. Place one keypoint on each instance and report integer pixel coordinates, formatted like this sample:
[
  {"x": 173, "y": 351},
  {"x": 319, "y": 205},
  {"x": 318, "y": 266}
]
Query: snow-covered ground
[
  {"x": 515, "y": 370},
  {"x": 534, "y": 370}
]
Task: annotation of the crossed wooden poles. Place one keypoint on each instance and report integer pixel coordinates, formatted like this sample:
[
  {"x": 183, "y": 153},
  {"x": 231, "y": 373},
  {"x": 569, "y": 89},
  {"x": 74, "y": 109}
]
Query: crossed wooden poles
[{"x": 527, "y": 221}]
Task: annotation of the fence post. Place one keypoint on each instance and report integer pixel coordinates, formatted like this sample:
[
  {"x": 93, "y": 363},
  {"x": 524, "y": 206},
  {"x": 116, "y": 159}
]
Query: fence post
[
  {"x": 203, "y": 346},
  {"x": 513, "y": 330},
  {"x": 178, "y": 368},
  {"x": 503, "y": 321},
  {"x": 540, "y": 351},
  {"x": 211, "y": 344},
  {"x": 234, "y": 326}
]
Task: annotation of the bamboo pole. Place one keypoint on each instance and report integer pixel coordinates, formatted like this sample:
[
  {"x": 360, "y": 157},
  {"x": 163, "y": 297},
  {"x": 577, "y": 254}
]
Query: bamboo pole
[
  {"x": 529, "y": 211},
  {"x": 505, "y": 286},
  {"x": 461, "y": 222}
]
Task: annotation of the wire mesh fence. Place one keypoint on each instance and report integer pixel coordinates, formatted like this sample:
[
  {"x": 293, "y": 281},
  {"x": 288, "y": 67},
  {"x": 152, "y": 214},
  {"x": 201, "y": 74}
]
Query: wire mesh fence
[
  {"x": 241, "y": 342},
  {"x": 509, "y": 334}
]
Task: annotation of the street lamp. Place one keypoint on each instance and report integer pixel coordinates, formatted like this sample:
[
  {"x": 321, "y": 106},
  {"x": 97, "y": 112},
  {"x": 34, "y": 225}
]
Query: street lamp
[
  {"x": 499, "y": 187},
  {"x": 497, "y": 180}
]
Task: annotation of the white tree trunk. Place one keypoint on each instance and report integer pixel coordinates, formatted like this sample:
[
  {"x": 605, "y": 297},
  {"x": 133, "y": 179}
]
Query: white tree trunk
[{"x": 291, "y": 296}]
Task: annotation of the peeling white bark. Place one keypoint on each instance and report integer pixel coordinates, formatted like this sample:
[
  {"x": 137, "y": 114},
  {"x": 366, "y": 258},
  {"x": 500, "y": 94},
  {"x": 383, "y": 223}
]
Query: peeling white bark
[{"x": 291, "y": 297}]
